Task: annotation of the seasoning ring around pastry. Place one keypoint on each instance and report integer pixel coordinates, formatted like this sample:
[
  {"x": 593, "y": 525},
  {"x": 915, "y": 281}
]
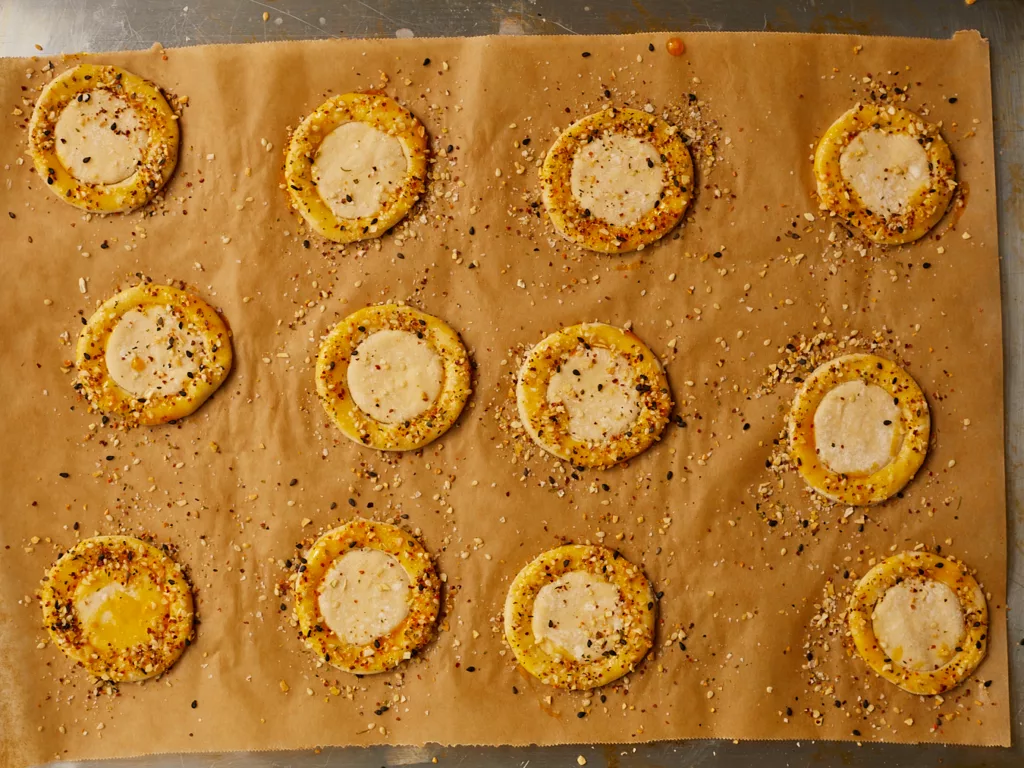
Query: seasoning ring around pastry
[
  {"x": 921, "y": 566},
  {"x": 98, "y": 83},
  {"x": 191, "y": 374},
  {"x": 912, "y": 427},
  {"x": 448, "y": 357},
  {"x": 377, "y": 111},
  {"x": 927, "y": 201},
  {"x": 560, "y": 668},
  {"x": 550, "y": 424},
  {"x": 96, "y": 578},
  {"x": 641, "y": 130},
  {"x": 400, "y": 642}
]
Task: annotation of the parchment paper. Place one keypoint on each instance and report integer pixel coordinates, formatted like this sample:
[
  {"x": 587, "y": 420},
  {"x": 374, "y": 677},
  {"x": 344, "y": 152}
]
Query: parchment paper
[{"x": 232, "y": 485}]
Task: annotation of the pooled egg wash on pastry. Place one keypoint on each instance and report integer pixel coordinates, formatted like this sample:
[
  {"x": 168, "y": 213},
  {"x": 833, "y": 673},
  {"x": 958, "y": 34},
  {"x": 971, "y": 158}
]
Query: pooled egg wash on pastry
[
  {"x": 394, "y": 376},
  {"x": 357, "y": 168},
  {"x": 886, "y": 170},
  {"x": 596, "y": 386},
  {"x": 148, "y": 352},
  {"x": 617, "y": 178},
  {"x": 919, "y": 624},
  {"x": 579, "y": 615},
  {"x": 364, "y": 595},
  {"x": 857, "y": 428},
  {"x": 117, "y": 615},
  {"x": 99, "y": 138}
]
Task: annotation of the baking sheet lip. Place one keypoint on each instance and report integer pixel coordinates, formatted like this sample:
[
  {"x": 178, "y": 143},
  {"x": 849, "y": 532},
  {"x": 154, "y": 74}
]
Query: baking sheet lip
[
  {"x": 799, "y": 743},
  {"x": 158, "y": 46}
]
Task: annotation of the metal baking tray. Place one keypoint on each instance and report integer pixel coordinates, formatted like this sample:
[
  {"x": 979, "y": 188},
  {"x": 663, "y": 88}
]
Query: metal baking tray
[{"x": 103, "y": 25}]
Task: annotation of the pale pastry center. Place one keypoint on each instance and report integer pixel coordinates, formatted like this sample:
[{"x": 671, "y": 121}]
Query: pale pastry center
[
  {"x": 886, "y": 170},
  {"x": 617, "y": 178},
  {"x": 857, "y": 428},
  {"x": 99, "y": 138},
  {"x": 598, "y": 391},
  {"x": 357, "y": 168},
  {"x": 578, "y": 615},
  {"x": 148, "y": 353},
  {"x": 919, "y": 623},
  {"x": 364, "y": 595},
  {"x": 394, "y": 376},
  {"x": 117, "y": 616}
]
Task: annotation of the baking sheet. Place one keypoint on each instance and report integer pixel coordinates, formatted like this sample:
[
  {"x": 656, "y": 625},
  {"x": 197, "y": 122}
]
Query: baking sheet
[{"x": 744, "y": 605}]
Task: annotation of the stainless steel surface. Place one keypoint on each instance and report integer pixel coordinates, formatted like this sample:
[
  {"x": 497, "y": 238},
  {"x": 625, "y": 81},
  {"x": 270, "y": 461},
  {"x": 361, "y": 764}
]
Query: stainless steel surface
[{"x": 91, "y": 25}]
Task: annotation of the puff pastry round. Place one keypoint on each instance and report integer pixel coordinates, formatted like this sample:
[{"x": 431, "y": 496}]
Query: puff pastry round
[
  {"x": 593, "y": 394},
  {"x": 368, "y": 598},
  {"x": 920, "y": 621},
  {"x": 617, "y": 180},
  {"x": 392, "y": 377},
  {"x": 886, "y": 171},
  {"x": 356, "y": 165},
  {"x": 103, "y": 139},
  {"x": 152, "y": 354},
  {"x": 580, "y": 617},
  {"x": 858, "y": 429},
  {"x": 119, "y": 607}
]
